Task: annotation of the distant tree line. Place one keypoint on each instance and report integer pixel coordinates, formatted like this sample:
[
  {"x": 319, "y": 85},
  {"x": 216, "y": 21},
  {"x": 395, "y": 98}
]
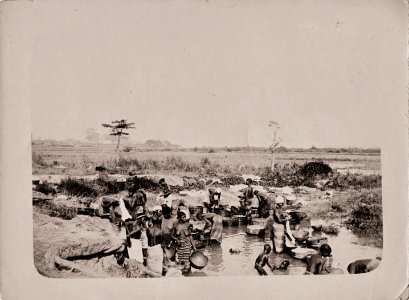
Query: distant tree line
[
  {"x": 166, "y": 145},
  {"x": 284, "y": 149}
]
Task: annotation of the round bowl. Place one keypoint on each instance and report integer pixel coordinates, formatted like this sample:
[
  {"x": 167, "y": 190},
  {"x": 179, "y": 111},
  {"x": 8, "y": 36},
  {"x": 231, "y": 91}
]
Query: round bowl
[{"x": 198, "y": 260}]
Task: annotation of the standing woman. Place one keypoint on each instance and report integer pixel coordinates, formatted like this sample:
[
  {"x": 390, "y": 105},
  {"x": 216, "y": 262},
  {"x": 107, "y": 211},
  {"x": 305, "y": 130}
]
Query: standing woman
[
  {"x": 248, "y": 195},
  {"x": 279, "y": 224},
  {"x": 182, "y": 234},
  {"x": 154, "y": 231},
  {"x": 168, "y": 247}
]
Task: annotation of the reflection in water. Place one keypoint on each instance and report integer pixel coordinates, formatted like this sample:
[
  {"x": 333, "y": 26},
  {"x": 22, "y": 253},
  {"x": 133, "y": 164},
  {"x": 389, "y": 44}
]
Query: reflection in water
[
  {"x": 215, "y": 255},
  {"x": 223, "y": 263}
]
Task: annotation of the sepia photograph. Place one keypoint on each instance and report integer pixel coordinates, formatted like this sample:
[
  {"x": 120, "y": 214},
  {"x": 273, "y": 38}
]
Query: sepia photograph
[
  {"x": 228, "y": 139},
  {"x": 172, "y": 150}
]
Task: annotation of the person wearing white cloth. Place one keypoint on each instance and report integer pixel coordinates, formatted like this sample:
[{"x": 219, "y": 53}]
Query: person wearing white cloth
[
  {"x": 214, "y": 196},
  {"x": 138, "y": 241},
  {"x": 280, "y": 226},
  {"x": 125, "y": 214}
]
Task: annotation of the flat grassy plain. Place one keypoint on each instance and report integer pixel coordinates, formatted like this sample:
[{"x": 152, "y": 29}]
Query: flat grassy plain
[
  {"x": 357, "y": 198},
  {"x": 82, "y": 158}
]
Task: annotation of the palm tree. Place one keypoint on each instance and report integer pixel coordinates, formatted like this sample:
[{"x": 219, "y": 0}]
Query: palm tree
[{"x": 118, "y": 128}]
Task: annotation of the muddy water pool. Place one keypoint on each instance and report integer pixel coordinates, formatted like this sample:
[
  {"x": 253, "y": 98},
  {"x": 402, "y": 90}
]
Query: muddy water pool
[{"x": 345, "y": 249}]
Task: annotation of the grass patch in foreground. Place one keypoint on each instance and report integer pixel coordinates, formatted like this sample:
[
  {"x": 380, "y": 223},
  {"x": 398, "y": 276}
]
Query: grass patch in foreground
[
  {"x": 362, "y": 210},
  {"x": 366, "y": 212},
  {"x": 51, "y": 209}
]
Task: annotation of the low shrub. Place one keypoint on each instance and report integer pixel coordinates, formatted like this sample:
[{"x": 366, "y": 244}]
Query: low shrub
[
  {"x": 366, "y": 212},
  {"x": 355, "y": 181},
  {"x": 315, "y": 168},
  {"x": 147, "y": 184},
  {"x": 233, "y": 180},
  {"x": 45, "y": 188},
  {"x": 107, "y": 186},
  {"x": 78, "y": 187},
  {"x": 90, "y": 188},
  {"x": 48, "y": 207}
]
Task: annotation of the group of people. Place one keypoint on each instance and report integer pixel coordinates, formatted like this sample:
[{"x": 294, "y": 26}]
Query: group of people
[
  {"x": 269, "y": 207},
  {"x": 317, "y": 264},
  {"x": 166, "y": 233},
  {"x": 266, "y": 202},
  {"x": 165, "y": 226}
]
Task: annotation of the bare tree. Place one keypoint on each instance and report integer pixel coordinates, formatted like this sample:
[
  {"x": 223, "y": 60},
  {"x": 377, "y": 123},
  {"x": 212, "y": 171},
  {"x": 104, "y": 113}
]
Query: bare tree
[
  {"x": 276, "y": 142},
  {"x": 118, "y": 128}
]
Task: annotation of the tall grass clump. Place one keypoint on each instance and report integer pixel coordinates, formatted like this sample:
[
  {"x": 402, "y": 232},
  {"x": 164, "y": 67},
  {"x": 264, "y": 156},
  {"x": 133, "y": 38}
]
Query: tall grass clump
[
  {"x": 366, "y": 212},
  {"x": 126, "y": 163},
  {"x": 45, "y": 188},
  {"x": 78, "y": 187},
  {"x": 177, "y": 163},
  {"x": 56, "y": 210},
  {"x": 355, "y": 181},
  {"x": 285, "y": 175},
  {"x": 108, "y": 186}
]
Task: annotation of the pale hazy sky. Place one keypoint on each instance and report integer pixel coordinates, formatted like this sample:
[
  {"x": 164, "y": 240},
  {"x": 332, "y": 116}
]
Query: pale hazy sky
[{"x": 214, "y": 73}]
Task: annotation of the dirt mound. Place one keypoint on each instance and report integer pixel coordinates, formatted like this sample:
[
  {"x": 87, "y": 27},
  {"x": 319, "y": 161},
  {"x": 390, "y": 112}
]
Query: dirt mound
[{"x": 83, "y": 246}]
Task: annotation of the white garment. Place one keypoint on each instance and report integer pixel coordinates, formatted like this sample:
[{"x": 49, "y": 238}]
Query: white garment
[
  {"x": 155, "y": 258},
  {"x": 125, "y": 213},
  {"x": 289, "y": 233},
  {"x": 135, "y": 251}
]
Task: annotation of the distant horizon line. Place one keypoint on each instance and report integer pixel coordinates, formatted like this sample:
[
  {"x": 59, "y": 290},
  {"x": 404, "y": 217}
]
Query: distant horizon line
[{"x": 131, "y": 143}]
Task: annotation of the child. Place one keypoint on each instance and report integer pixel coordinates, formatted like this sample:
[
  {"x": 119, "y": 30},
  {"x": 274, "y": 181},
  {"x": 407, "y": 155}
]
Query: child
[
  {"x": 283, "y": 266},
  {"x": 316, "y": 263},
  {"x": 262, "y": 260}
]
